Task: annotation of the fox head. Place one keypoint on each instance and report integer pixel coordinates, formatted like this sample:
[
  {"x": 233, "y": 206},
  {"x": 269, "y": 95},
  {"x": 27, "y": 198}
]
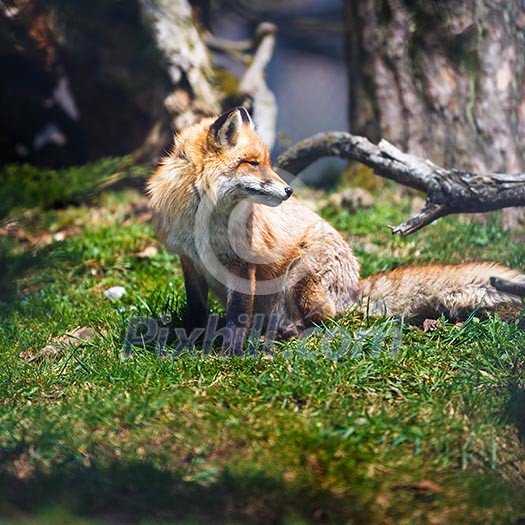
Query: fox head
[
  {"x": 232, "y": 162},
  {"x": 237, "y": 162},
  {"x": 220, "y": 159}
]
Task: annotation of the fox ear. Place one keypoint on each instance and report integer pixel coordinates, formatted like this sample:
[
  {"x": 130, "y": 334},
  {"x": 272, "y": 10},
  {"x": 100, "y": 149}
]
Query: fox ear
[{"x": 225, "y": 130}]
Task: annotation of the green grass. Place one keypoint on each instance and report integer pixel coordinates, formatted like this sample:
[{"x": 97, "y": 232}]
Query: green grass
[{"x": 402, "y": 427}]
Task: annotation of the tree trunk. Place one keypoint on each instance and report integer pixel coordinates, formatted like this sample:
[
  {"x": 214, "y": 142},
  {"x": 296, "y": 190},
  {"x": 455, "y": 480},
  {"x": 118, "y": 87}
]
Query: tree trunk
[
  {"x": 173, "y": 27},
  {"x": 98, "y": 78},
  {"x": 79, "y": 87},
  {"x": 442, "y": 80}
]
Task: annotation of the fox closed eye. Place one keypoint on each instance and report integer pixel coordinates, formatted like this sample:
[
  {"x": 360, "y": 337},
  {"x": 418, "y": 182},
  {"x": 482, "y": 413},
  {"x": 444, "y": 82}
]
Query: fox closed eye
[{"x": 252, "y": 162}]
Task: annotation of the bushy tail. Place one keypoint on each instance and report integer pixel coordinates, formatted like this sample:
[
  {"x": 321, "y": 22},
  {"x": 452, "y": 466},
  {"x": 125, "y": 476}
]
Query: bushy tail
[{"x": 427, "y": 292}]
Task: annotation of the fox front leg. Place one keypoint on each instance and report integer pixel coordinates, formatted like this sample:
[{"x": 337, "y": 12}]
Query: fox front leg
[
  {"x": 196, "y": 295},
  {"x": 239, "y": 310}
]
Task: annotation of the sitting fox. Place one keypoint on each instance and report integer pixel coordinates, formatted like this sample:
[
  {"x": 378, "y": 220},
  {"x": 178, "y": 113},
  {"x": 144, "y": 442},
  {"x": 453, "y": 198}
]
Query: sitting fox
[{"x": 216, "y": 202}]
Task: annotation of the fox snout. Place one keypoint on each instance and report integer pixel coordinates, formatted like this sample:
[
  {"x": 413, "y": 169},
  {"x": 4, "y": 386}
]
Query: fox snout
[{"x": 268, "y": 191}]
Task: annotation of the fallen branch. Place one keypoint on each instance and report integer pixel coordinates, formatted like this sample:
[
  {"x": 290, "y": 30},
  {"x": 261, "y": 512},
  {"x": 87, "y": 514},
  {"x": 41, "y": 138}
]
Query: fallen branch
[{"x": 448, "y": 191}]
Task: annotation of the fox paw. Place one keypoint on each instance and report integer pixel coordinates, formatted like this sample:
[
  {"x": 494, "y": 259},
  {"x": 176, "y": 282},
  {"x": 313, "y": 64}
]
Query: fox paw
[{"x": 289, "y": 330}]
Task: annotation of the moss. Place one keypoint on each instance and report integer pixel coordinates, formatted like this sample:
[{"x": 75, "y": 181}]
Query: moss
[{"x": 26, "y": 186}]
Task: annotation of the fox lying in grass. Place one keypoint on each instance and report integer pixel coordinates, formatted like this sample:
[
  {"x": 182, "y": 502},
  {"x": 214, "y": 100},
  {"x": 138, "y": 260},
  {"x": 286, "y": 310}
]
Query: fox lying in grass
[{"x": 216, "y": 202}]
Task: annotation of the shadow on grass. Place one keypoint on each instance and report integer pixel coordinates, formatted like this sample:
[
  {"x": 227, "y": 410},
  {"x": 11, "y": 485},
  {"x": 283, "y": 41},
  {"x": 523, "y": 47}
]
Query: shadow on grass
[
  {"x": 18, "y": 261},
  {"x": 15, "y": 264},
  {"x": 139, "y": 493},
  {"x": 514, "y": 411},
  {"x": 26, "y": 187}
]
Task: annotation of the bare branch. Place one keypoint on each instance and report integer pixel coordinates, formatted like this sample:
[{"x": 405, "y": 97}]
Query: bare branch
[
  {"x": 448, "y": 191},
  {"x": 428, "y": 214},
  {"x": 253, "y": 84},
  {"x": 253, "y": 91},
  {"x": 237, "y": 49}
]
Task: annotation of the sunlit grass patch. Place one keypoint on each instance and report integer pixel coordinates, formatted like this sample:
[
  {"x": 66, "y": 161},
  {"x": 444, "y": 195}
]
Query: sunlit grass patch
[{"x": 368, "y": 421}]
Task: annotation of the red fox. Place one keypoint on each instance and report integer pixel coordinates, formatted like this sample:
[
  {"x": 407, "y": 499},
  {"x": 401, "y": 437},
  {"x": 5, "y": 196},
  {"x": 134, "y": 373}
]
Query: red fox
[{"x": 216, "y": 201}]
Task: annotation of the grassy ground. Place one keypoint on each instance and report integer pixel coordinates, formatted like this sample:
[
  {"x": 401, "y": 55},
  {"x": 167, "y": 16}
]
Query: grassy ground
[{"x": 400, "y": 426}]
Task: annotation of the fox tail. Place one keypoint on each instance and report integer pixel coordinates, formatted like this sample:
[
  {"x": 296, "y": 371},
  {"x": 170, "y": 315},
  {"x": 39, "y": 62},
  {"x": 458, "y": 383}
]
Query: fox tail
[{"x": 429, "y": 291}]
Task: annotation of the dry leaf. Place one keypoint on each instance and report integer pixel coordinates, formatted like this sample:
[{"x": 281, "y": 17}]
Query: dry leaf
[
  {"x": 57, "y": 344},
  {"x": 315, "y": 465},
  {"x": 421, "y": 486}
]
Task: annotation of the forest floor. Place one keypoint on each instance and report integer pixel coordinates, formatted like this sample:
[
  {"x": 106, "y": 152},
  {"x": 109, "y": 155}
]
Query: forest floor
[{"x": 368, "y": 421}]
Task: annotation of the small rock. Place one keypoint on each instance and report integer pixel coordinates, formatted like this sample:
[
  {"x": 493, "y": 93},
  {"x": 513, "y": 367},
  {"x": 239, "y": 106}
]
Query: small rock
[
  {"x": 418, "y": 203},
  {"x": 370, "y": 247},
  {"x": 115, "y": 293},
  {"x": 352, "y": 199},
  {"x": 513, "y": 218}
]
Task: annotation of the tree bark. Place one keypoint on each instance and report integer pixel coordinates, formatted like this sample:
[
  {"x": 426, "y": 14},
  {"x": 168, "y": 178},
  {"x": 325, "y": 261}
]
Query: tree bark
[
  {"x": 187, "y": 59},
  {"x": 442, "y": 80}
]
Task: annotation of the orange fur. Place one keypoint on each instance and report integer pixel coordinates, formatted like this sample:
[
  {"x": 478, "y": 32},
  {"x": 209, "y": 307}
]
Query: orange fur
[
  {"x": 428, "y": 291},
  {"x": 216, "y": 201}
]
